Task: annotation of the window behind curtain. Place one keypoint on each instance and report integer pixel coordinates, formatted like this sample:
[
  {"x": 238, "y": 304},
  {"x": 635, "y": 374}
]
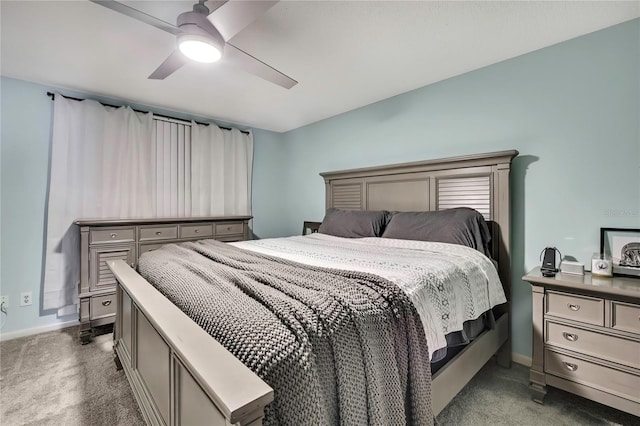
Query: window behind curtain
[{"x": 173, "y": 167}]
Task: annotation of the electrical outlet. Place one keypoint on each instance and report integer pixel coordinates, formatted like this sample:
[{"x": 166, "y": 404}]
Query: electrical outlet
[
  {"x": 4, "y": 303},
  {"x": 25, "y": 299}
]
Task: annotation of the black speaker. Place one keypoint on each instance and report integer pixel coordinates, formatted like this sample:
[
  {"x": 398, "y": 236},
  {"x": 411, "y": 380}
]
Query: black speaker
[{"x": 548, "y": 256}]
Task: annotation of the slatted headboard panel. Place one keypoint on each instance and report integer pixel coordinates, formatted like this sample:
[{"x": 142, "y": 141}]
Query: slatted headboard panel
[
  {"x": 479, "y": 181},
  {"x": 347, "y": 196},
  {"x": 472, "y": 192}
]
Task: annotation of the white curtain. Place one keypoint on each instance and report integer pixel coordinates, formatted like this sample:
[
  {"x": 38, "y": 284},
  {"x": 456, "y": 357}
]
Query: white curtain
[
  {"x": 221, "y": 166},
  {"x": 102, "y": 165}
]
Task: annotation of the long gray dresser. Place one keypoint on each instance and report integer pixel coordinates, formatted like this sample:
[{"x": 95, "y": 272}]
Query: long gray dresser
[{"x": 102, "y": 240}]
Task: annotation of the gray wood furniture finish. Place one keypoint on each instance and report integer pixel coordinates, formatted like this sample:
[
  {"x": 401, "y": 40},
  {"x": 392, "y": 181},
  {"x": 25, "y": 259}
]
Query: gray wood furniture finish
[
  {"x": 192, "y": 366},
  {"x": 102, "y": 240},
  {"x": 477, "y": 181},
  {"x": 586, "y": 337}
]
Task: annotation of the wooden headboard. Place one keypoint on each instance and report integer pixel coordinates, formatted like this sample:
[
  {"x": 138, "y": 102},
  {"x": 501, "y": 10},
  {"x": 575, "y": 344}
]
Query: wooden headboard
[{"x": 479, "y": 181}]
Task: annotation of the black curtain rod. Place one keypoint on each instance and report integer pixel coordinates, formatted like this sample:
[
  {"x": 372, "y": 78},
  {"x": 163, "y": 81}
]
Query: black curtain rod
[{"x": 53, "y": 95}]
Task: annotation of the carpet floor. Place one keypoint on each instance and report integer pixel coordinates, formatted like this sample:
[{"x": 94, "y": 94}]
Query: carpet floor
[
  {"x": 501, "y": 396},
  {"x": 50, "y": 379}
]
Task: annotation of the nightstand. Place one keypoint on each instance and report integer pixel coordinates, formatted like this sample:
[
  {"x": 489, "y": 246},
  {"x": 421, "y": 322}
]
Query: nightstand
[
  {"x": 310, "y": 226},
  {"x": 586, "y": 338}
]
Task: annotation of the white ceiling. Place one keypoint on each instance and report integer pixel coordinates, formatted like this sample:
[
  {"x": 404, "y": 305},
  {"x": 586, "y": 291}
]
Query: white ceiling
[{"x": 344, "y": 54}]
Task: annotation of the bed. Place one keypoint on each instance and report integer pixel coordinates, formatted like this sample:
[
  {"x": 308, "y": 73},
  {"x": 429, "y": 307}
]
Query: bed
[{"x": 181, "y": 375}]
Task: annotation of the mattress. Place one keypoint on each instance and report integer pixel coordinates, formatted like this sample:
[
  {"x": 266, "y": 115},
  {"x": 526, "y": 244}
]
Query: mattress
[{"x": 453, "y": 287}]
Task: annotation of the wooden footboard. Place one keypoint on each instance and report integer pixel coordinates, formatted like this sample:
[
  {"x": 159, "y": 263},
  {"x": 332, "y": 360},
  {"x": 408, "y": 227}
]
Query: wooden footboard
[{"x": 179, "y": 374}]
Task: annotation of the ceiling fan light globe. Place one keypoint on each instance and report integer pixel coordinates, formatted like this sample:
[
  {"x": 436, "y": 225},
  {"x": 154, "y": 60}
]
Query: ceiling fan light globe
[{"x": 199, "y": 49}]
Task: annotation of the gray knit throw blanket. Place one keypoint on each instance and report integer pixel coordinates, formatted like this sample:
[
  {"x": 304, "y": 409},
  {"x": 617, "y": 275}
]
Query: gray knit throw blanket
[{"x": 337, "y": 347}]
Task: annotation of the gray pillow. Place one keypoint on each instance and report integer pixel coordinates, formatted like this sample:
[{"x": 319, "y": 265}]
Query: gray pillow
[
  {"x": 353, "y": 223},
  {"x": 460, "y": 225}
]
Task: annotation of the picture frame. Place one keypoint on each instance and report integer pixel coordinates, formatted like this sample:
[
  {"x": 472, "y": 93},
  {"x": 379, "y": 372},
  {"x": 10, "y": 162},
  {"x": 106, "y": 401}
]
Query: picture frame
[{"x": 622, "y": 245}]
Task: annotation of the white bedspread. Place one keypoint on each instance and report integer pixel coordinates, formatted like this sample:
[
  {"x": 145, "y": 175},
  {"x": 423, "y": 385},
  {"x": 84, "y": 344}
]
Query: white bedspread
[{"x": 448, "y": 284}]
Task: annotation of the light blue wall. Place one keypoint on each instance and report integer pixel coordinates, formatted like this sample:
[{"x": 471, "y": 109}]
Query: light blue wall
[
  {"x": 269, "y": 174},
  {"x": 572, "y": 110},
  {"x": 26, "y": 125}
]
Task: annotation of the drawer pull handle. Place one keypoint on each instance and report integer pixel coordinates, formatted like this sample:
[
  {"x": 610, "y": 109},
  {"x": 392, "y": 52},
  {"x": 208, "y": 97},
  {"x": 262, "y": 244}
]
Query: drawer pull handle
[
  {"x": 570, "y": 336},
  {"x": 197, "y": 231},
  {"x": 228, "y": 228},
  {"x": 158, "y": 233},
  {"x": 113, "y": 235},
  {"x": 106, "y": 303},
  {"x": 570, "y": 366},
  {"x": 573, "y": 307}
]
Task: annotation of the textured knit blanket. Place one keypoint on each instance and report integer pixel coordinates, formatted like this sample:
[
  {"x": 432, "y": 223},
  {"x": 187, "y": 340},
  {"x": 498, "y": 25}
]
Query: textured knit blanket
[
  {"x": 448, "y": 284},
  {"x": 337, "y": 347}
]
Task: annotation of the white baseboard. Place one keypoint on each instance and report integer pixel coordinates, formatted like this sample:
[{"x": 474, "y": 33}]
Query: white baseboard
[
  {"x": 521, "y": 359},
  {"x": 37, "y": 330}
]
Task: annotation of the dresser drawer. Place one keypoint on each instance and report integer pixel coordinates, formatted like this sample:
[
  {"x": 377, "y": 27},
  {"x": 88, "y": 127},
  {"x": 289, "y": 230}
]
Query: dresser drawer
[
  {"x": 103, "y": 306},
  {"x": 598, "y": 376},
  {"x": 229, "y": 228},
  {"x": 612, "y": 348},
  {"x": 230, "y": 238},
  {"x": 625, "y": 316},
  {"x": 148, "y": 247},
  {"x": 202, "y": 230},
  {"x": 150, "y": 233},
  {"x": 579, "y": 308},
  {"x": 112, "y": 235}
]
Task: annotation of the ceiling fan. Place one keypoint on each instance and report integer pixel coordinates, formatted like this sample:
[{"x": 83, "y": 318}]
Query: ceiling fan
[{"x": 203, "y": 35}]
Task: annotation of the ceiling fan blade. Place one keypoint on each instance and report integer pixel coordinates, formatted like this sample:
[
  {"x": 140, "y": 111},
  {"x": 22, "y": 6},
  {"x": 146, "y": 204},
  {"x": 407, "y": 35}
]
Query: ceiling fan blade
[
  {"x": 169, "y": 66},
  {"x": 233, "y": 16},
  {"x": 212, "y": 5},
  {"x": 242, "y": 60},
  {"x": 136, "y": 14}
]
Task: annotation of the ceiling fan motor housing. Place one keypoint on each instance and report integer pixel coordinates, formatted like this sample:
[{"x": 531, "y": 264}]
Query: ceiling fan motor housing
[{"x": 194, "y": 23}]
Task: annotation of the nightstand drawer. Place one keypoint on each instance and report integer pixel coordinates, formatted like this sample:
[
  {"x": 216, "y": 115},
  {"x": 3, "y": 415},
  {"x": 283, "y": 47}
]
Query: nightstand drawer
[
  {"x": 579, "y": 308},
  {"x": 103, "y": 306},
  {"x": 610, "y": 380},
  {"x": 111, "y": 235},
  {"x": 625, "y": 316},
  {"x": 158, "y": 233},
  {"x": 196, "y": 231},
  {"x": 611, "y": 348},
  {"x": 229, "y": 228}
]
